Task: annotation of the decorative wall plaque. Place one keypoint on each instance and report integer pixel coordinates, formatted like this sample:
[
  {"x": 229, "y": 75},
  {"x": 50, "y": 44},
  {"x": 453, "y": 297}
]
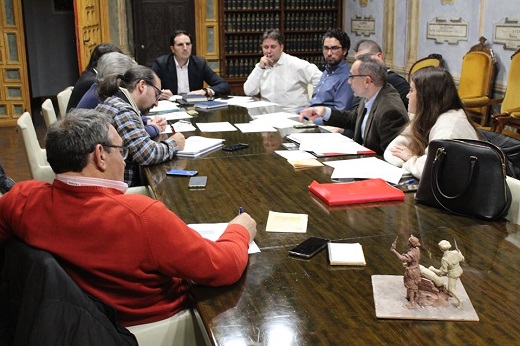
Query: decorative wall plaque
[
  {"x": 452, "y": 30},
  {"x": 507, "y": 32},
  {"x": 362, "y": 25}
]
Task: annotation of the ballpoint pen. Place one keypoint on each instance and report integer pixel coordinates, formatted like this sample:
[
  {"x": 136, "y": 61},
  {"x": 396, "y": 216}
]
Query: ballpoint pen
[
  {"x": 240, "y": 210},
  {"x": 409, "y": 181}
]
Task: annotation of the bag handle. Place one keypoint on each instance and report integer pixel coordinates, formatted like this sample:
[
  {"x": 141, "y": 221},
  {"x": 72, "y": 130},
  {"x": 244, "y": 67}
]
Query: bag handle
[{"x": 439, "y": 155}]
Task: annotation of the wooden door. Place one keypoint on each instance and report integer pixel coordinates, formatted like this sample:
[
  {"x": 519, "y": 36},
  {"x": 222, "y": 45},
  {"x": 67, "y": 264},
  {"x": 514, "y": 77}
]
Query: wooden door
[
  {"x": 154, "y": 23},
  {"x": 92, "y": 28},
  {"x": 14, "y": 86}
]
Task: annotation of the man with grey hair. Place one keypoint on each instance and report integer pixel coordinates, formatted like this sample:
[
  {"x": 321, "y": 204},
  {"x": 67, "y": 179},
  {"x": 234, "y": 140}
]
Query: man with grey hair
[
  {"x": 379, "y": 117},
  {"x": 127, "y": 250},
  {"x": 397, "y": 81},
  {"x": 117, "y": 64}
]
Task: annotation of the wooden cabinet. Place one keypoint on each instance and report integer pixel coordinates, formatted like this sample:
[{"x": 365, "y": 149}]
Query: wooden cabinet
[{"x": 242, "y": 23}]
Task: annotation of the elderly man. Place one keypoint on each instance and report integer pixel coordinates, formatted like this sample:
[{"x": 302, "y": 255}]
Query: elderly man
[
  {"x": 127, "y": 250},
  {"x": 380, "y": 116}
]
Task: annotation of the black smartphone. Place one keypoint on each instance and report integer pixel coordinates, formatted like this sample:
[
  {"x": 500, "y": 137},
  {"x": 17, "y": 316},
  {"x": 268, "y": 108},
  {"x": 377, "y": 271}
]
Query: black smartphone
[
  {"x": 198, "y": 182},
  {"x": 309, "y": 247}
]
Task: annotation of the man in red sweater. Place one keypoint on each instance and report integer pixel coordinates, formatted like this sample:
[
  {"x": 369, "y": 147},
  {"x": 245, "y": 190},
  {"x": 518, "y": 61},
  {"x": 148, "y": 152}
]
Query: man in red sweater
[{"x": 129, "y": 251}]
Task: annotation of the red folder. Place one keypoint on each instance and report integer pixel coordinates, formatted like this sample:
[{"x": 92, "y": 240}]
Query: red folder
[{"x": 363, "y": 191}]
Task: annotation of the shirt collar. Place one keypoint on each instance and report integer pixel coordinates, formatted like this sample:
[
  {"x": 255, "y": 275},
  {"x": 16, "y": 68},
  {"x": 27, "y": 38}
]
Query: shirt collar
[
  {"x": 369, "y": 103},
  {"x": 130, "y": 99},
  {"x": 178, "y": 65},
  {"x": 89, "y": 181}
]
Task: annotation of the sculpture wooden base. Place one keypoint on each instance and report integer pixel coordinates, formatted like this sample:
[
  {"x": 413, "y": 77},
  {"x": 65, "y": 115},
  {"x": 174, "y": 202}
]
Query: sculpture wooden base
[{"x": 390, "y": 301}]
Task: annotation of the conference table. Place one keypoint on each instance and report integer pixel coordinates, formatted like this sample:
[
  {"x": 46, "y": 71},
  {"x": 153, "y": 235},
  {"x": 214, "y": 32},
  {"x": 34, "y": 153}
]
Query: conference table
[{"x": 285, "y": 300}]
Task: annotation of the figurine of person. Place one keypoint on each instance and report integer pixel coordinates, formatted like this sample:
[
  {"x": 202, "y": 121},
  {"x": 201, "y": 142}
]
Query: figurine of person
[
  {"x": 412, "y": 274},
  {"x": 450, "y": 267}
]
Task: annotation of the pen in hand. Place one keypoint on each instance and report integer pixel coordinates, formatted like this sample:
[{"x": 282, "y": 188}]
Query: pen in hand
[{"x": 173, "y": 129}]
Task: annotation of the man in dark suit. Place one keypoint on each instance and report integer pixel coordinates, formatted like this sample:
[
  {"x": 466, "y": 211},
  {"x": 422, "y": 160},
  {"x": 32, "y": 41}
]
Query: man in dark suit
[
  {"x": 379, "y": 117},
  {"x": 397, "y": 81},
  {"x": 181, "y": 72}
]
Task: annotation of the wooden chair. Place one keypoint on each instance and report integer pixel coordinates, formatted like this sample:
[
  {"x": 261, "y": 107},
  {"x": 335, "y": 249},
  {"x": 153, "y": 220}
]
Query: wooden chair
[
  {"x": 476, "y": 81},
  {"x": 430, "y": 60},
  {"x": 510, "y": 109},
  {"x": 48, "y": 112}
]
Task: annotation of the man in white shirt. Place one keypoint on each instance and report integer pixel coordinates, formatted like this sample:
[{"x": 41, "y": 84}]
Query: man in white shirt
[{"x": 279, "y": 77}]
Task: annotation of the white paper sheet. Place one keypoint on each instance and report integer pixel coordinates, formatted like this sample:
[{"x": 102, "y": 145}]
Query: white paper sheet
[
  {"x": 213, "y": 231},
  {"x": 223, "y": 126},
  {"x": 255, "y": 127},
  {"x": 256, "y": 104},
  {"x": 180, "y": 126},
  {"x": 236, "y": 100},
  {"x": 286, "y": 222},
  {"x": 295, "y": 154},
  {"x": 176, "y": 115},
  {"x": 164, "y": 106},
  {"x": 367, "y": 168}
]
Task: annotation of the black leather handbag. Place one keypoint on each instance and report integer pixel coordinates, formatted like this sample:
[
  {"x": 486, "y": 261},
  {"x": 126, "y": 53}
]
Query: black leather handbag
[{"x": 466, "y": 177}]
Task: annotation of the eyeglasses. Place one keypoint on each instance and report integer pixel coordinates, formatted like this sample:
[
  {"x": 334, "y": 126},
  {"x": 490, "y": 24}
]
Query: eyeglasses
[
  {"x": 158, "y": 92},
  {"x": 334, "y": 49},
  {"x": 123, "y": 150},
  {"x": 357, "y": 75}
]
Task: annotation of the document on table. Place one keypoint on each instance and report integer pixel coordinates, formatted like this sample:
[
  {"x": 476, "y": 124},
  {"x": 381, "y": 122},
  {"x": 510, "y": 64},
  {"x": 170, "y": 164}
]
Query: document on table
[
  {"x": 213, "y": 231},
  {"x": 299, "y": 159},
  {"x": 223, "y": 126},
  {"x": 176, "y": 115},
  {"x": 256, "y": 104},
  {"x": 286, "y": 222},
  {"x": 275, "y": 120},
  {"x": 236, "y": 100},
  {"x": 164, "y": 106},
  {"x": 255, "y": 127},
  {"x": 180, "y": 126},
  {"x": 367, "y": 168},
  {"x": 323, "y": 144}
]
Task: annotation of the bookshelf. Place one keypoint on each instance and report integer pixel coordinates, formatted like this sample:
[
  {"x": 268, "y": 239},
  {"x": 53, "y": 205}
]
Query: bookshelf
[{"x": 242, "y": 23}]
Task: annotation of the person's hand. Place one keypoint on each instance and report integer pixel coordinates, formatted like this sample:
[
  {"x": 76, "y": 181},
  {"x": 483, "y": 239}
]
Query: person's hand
[
  {"x": 312, "y": 113},
  {"x": 166, "y": 94},
  {"x": 179, "y": 139},
  {"x": 244, "y": 219},
  {"x": 265, "y": 62},
  {"x": 402, "y": 152},
  {"x": 159, "y": 121},
  {"x": 198, "y": 92}
]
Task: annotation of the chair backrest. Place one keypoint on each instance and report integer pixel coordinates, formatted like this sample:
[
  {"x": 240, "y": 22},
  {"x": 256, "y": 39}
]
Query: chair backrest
[
  {"x": 511, "y": 102},
  {"x": 430, "y": 60},
  {"x": 476, "y": 77},
  {"x": 40, "y": 168},
  {"x": 48, "y": 112},
  {"x": 63, "y": 99}
]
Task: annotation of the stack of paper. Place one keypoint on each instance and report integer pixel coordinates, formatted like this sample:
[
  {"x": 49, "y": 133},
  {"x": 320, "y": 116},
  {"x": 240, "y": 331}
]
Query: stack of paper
[
  {"x": 191, "y": 98},
  {"x": 299, "y": 159},
  {"x": 164, "y": 106},
  {"x": 366, "y": 168},
  {"x": 328, "y": 144},
  {"x": 346, "y": 254},
  {"x": 286, "y": 222},
  {"x": 210, "y": 104},
  {"x": 196, "y": 146}
]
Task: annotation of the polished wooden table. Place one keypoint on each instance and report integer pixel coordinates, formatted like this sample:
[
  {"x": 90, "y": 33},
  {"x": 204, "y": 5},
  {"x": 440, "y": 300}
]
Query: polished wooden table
[{"x": 283, "y": 300}]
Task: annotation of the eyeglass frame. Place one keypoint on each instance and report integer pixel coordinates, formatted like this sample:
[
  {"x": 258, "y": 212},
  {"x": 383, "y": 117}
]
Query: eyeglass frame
[
  {"x": 157, "y": 97},
  {"x": 333, "y": 49},
  {"x": 352, "y": 76},
  {"x": 122, "y": 149}
]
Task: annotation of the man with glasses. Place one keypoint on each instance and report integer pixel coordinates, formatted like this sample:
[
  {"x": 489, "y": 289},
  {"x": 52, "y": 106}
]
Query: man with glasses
[
  {"x": 127, "y": 250},
  {"x": 379, "y": 117},
  {"x": 279, "y": 77},
  {"x": 397, "y": 81},
  {"x": 125, "y": 98},
  {"x": 333, "y": 89},
  {"x": 181, "y": 72}
]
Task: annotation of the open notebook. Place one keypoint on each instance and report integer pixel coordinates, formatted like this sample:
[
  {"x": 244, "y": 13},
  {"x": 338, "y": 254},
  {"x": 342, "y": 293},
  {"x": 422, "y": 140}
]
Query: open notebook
[{"x": 197, "y": 145}]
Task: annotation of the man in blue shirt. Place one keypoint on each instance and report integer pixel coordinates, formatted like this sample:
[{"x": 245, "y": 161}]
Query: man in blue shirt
[{"x": 333, "y": 89}]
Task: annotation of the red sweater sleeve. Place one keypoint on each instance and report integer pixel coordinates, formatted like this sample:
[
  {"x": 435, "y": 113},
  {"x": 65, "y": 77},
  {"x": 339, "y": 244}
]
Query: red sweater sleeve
[{"x": 181, "y": 252}]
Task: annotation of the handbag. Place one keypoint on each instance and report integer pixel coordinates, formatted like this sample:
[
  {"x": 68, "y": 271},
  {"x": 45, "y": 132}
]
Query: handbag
[{"x": 466, "y": 177}]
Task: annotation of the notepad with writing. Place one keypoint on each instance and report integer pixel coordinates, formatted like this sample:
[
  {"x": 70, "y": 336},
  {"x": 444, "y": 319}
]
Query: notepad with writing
[
  {"x": 363, "y": 191},
  {"x": 346, "y": 254}
]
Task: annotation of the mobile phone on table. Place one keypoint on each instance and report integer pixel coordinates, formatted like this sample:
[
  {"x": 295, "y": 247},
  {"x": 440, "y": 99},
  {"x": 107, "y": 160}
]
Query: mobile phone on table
[
  {"x": 309, "y": 247},
  {"x": 182, "y": 172},
  {"x": 198, "y": 182}
]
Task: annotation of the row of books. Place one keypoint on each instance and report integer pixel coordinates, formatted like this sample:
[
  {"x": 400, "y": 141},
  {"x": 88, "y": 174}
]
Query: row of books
[
  {"x": 238, "y": 22},
  {"x": 275, "y": 4},
  {"x": 249, "y": 44},
  {"x": 242, "y": 67},
  {"x": 261, "y": 21}
]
